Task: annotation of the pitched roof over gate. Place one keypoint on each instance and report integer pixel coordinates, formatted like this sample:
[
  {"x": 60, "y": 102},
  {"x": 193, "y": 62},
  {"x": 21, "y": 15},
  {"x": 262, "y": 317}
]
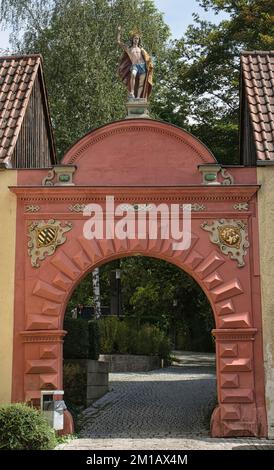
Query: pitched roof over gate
[
  {"x": 17, "y": 78},
  {"x": 258, "y": 103}
]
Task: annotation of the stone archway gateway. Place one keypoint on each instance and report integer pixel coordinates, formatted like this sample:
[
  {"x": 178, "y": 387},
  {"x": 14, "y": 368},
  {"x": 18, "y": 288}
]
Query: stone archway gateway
[{"x": 142, "y": 162}]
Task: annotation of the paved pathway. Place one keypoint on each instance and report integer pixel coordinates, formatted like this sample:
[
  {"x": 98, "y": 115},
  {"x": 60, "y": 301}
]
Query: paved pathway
[{"x": 162, "y": 409}]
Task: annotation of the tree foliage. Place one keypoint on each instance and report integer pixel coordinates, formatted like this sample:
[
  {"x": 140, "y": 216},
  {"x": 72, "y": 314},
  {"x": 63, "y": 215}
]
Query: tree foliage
[
  {"x": 158, "y": 293},
  {"x": 207, "y": 69},
  {"x": 78, "y": 43},
  {"x": 197, "y": 76}
]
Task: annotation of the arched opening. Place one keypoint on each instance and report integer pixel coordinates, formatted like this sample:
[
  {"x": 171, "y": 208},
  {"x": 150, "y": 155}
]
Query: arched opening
[{"x": 149, "y": 307}]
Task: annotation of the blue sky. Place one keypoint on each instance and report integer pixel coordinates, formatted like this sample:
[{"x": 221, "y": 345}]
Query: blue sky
[{"x": 177, "y": 14}]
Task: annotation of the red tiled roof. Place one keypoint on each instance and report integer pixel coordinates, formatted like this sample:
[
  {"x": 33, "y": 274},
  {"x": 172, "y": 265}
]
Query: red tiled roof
[
  {"x": 17, "y": 76},
  {"x": 258, "y": 78}
]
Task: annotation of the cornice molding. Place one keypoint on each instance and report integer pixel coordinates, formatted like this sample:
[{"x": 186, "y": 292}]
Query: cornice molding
[
  {"x": 235, "y": 334},
  {"x": 177, "y": 194},
  {"x": 43, "y": 336}
]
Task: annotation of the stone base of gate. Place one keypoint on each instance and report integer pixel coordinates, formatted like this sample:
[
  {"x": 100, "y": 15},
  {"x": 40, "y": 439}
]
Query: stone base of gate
[{"x": 226, "y": 422}]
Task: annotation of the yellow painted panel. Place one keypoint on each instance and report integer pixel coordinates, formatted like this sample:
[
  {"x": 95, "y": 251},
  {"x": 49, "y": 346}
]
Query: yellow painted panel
[
  {"x": 7, "y": 270},
  {"x": 265, "y": 177}
]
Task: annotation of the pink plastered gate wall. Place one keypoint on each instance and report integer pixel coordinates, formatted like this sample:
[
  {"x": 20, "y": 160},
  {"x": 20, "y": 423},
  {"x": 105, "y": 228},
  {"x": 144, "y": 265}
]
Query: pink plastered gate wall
[{"x": 142, "y": 161}]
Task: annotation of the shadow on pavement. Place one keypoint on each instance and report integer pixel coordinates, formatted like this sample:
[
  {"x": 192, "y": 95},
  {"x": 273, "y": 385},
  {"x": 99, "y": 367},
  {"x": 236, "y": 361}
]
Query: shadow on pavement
[{"x": 254, "y": 447}]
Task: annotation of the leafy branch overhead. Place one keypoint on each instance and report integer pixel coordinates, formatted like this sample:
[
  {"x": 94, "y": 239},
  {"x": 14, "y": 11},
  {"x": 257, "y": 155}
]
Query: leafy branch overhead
[{"x": 204, "y": 78}]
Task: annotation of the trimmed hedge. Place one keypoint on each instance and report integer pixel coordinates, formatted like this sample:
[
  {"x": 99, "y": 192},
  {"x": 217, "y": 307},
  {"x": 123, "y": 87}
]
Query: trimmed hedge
[
  {"x": 82, "y": 340},
  {"x": 24, "y": 428},
  {"x": 110, "y": 335},
  {"x": 126, "y": 337},
  {"x": 76, "y": 342}
]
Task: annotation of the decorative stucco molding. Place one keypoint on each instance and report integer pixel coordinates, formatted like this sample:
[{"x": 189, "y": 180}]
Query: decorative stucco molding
[
  {"x": 77, "y": 207},
  {"x": 32, "y": 208},
  {"x": 241, "y": 206},
  {"x": 228, "y": 178},
  {"x": 230, "y": 236},
  {"x": 48, "y": 180},
  {"x": 210, "y": 175},
  {"x": 136, "y": 207},
  {"x": 198, "y": 207},
  {"x": 60, "y": 175},
  {"x": 44, "y": 238}
]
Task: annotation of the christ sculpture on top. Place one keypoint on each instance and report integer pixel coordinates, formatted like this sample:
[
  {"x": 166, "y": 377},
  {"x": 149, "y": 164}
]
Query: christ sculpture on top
[{"x": 135, "y": 67}]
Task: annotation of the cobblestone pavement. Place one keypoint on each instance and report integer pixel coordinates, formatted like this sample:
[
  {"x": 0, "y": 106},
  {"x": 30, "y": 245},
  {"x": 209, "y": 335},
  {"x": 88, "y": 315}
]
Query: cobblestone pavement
[
  {"x": 182, "y": 443},
  {"x": 161, "y": 409}
]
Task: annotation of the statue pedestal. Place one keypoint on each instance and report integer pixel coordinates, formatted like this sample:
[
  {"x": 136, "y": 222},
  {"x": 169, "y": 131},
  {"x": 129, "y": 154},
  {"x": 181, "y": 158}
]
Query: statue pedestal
[{"x": 137, "y": 108}]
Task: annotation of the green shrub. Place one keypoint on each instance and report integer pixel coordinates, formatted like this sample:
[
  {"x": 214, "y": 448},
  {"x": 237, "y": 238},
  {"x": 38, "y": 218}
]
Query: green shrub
[
  {"x": 164, "y": 350},
  {"x": 76, "y": 342},
  {"x": 108, "y": 330},
  {"x": 144, "y": 343},
  {"x": 121, "y": 343},
  {"x": 125, "y": 337},
  {"x": 24, "y": 428}
]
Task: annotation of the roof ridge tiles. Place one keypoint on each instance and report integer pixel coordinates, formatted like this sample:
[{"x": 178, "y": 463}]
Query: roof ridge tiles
[
  {"x": 256, "y": 53},
  {"x": 21, "y": 56}
]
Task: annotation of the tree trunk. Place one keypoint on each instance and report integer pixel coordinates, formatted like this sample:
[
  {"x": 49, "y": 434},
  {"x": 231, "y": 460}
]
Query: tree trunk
[{"x": 96, "y": 292}]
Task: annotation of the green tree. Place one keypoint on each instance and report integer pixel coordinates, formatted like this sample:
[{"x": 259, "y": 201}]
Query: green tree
[
  {"x": 159, "y": 293},
  {"x": 206, "y": 70},
  {"x": 78, "y": 44}
]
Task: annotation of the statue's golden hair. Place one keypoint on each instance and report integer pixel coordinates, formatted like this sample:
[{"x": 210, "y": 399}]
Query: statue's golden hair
[{"x": 135, "y": 32}]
